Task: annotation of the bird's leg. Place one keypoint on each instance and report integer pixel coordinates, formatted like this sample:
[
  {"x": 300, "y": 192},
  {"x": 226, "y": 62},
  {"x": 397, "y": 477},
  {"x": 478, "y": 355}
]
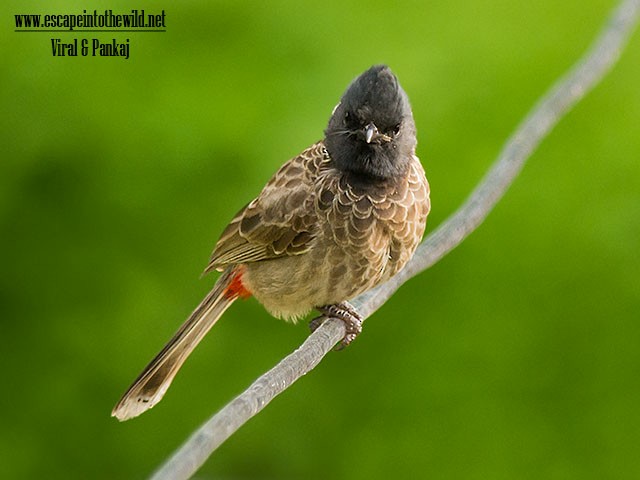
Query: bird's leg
[{"x": 345, "y": 312}]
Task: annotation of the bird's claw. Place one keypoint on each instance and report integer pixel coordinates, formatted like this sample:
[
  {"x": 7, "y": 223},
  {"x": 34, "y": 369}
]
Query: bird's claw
[{"x": 348, "y": 314}]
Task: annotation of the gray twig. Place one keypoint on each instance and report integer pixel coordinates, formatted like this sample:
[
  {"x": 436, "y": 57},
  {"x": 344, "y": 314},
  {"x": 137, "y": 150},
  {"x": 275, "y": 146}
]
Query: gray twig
[{"x": 587, "y": 72}]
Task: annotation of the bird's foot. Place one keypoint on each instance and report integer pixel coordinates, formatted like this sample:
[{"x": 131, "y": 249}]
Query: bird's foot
[{"x": 345, "y": 312}]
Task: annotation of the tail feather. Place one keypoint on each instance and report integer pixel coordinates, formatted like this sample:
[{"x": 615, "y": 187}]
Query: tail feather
[{"x": 151, "y": 385}]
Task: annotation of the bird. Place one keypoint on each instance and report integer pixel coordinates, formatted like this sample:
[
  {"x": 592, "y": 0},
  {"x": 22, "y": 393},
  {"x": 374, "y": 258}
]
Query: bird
[{"x": 338, "y": 219}]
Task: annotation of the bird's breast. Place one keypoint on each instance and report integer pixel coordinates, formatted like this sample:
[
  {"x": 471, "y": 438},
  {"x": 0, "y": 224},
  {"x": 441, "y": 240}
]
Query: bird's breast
[{"x": 363, "y": 236}]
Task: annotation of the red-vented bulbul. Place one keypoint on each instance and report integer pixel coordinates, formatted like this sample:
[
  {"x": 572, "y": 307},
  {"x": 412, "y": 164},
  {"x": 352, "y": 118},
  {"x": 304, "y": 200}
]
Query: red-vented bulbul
[{"x": 340, "y": 218}]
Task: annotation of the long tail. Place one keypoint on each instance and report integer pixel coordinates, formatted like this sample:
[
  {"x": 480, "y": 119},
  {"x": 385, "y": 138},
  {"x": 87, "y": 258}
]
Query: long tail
[{"x": 150, "y": 386}]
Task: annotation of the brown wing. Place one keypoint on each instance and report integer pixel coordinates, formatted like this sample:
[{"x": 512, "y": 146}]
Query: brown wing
[{"x": 280, "y": 222}]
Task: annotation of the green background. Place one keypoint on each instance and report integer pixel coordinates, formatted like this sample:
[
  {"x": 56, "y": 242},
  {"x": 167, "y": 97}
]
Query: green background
[{"x": 517, "y": 356}]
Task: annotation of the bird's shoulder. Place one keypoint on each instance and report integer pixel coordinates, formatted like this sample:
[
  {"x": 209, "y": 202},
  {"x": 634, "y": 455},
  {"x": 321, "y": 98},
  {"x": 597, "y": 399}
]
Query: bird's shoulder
[{"x": 281, "y": 220}]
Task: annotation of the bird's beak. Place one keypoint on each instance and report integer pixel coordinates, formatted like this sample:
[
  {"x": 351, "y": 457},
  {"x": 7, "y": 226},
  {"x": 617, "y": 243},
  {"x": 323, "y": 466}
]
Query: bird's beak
[{"x": 370, "y": 132}]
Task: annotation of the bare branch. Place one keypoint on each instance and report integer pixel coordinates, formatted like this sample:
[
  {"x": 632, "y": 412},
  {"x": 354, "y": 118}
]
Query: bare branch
[{"x": 561, "y": 97}]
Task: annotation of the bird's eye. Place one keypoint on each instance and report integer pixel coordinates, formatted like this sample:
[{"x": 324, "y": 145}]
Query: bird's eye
[
  {"x": 350, "y": 121},
  {"x": 396, "y": 129}
]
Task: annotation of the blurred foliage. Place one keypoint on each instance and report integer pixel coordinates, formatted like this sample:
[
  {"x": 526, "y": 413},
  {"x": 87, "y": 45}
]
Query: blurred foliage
[{"x": 517, "y": 356}]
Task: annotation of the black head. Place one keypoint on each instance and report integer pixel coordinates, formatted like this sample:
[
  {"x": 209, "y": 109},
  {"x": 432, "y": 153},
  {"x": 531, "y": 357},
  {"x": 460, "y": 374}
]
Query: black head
[{"x": 371, "y": 131}]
